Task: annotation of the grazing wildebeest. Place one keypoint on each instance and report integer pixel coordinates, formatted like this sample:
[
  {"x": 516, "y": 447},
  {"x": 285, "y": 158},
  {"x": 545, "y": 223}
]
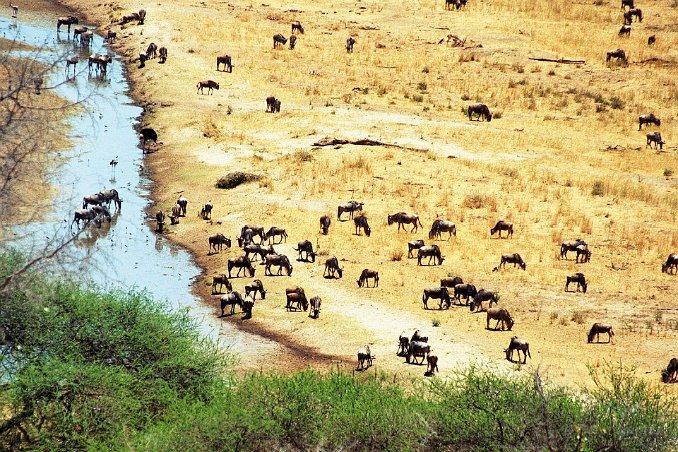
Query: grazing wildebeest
[
  {"x": 176, "y": 213},
  {"x": 296, "y": 301},
  {"x": 451, "y": 3},
  {"x": 293, "y": 42},
  {"x": 100, "y": 61},
  {"x": 240, "y": 263},
  {"x": 368, "y": 274},
  {"x": 570, "y": 245},
  {"x": 279, "y": 40},
  {"x": 217, "y": 242},
  {"x": 110, "y": 36},
  {"x": 418, "y": 336},
  {"x": 325, "y": 223},
  {"x": 625, "y": 3},
  {"x": 403, "y": 344},
  {"x": 655, "y": 138},
  {"x": 501, "y": 315},
  {"x": 163, "y": 55},
  {"x": 439, "y": 226},
  {"x": 255, "y": 287},
  {"x": 598, "y": 328},
  {"x": 651, "y": 40},
  {"x": 431, "y": 364},
  {"x": 364, "y": 357},
  {"x": 584, "y": 253},
  {"x": 417, "y": 349},
  {"x": 403, "y": 218},
  {"x": 670, "y": 374},
  {"x": 351, "y": 207},
  {"x": 209, "y": 84},
  {"x": 625, "y": 30},
  {"x": 305, "y": 246},
  {"x": 628, "y": 15},
  {"x": 183, "y": 203},
  {"x": 432, "y": 252},
  {"x": 273, "y": 232},
  {"x": 248, "y": 232},
  {"x": 315, "y": 307},
  {"x": 221, "y": 281},
  {"x": 648, "y": 119},
  {"x": 296, "y": 25},
  {"x": 86, "y": 38},
  {"x": 618, "y": 54},
  {"x": 578, "y": 278},
  {"x": 71, "y": 61},
  {"x": 413, "y": 245},
  {"x": 111, "y": 194},
  {"x": 272, "y": 104},
  {"x": 94, "y": 199},
  {"x": 102, "y": 212},
  {"x": 502, "y": 226},
  {"x": 465, "y": 290},
  {"x": 256, "y": 250},
  {"x": 147, "y": 134},
  {"x": 233, "y": 299},
  {"x": 479, "y": 110},
  {"x": 671, "y": 263},
  {"x": 451, "y": 282},
  {"x": 521, "y": 345},
  {"x": 332, "y": 267},
  {"x": 483, "y": 295},
  {"x": 514, "y": 259},
  {"x": 160, "y": 221},
  {"x": 279, "y": 260},
  {"x": 226, "y": 61},
  {"x": 85, "y": 215},
  {"x": 151, "y": 51},
  {"x": 206, "y": 211},
  {"x": 349, "y": 44},
  {"x": 69, "y": 20},
  {"x": 361, "y": 223},
  {"x": 139, "y": 17},
  {"x": 439, "y": 293}
]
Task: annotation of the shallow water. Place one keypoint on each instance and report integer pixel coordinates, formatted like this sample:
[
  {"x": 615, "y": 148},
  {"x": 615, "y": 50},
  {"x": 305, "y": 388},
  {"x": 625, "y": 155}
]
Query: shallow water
[{"x": 128, "y": 253}]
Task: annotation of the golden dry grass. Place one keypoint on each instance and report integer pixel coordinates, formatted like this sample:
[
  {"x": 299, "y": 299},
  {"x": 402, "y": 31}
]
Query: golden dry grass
[{"x": 563, "y": 129}]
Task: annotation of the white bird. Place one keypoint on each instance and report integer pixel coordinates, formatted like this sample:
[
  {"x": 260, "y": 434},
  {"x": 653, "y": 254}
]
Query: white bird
[{"x": 15, "y": 9}]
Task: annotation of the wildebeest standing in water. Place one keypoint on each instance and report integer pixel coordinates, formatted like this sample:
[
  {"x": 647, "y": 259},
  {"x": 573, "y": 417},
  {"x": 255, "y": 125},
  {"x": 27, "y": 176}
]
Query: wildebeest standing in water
[
  {"x": 209, "y": 84},
  {"x": 68, "y": 20},
  {"x": 147, "y": 134},
  {"x": 226, "y": 61},
  {"x": 349, "y": 44},
  {"x": 279, "y": 40}
]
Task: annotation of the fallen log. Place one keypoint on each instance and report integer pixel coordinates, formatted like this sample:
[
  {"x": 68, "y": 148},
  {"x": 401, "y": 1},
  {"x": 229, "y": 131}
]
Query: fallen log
[
  {"x": 362, "y": 142},
  {"x": 560, "y": 60}
]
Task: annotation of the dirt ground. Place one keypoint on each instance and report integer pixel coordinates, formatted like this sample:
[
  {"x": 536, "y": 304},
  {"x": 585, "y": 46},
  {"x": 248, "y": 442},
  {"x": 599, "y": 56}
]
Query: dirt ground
[{"x": 561, "y": 159}]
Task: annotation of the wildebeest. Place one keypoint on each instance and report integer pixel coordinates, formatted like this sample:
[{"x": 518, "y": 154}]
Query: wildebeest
[
  {"x": 206, "y": 211},
  {"x": 159, "y": 221},
  {"x": 650, "y": 118},
  {"x": 217, "y": 242},
  {"x": 514, "y": 259},
  {"x": 332, "y": 267},
  {"x": 176, "y": 213},
  {"x": 403, "y": 345},
  {"x": 85, "y": 215},
  {"x": 439, "y": 226},
  {"x": 110, "y": 36},
  {"x": 570, "y": 245},
  {"x": 364, "y": 357},
  {"x": 140, "y": 17},
  {"x": 465, "y": 290},
  {"x": 147, "y": 134},
  {"x": 256, "y": 250},
  {"x": 100, "y": 61},
  {"x": 272, "y": 104},
  {"x": 349, "y": 44},
  {"x": 94, "y": 199},
  {"x": 361, "y": 223},
  {"x": 315, "y": 302},
  {"x": 366, "y": 275},
  {"x": 274, "y": 232},
  {"x": 220, "y": 280},
  {"x": 628, "y": 15},
  {"x": 250, "y": 231},
  {"x": 296, "y": 25},
  {"x": 651, "y": 40},
  {"x": 598, "y": 328},
  {"x": 77, "y": 33},
  {"x": 670, "y": 374},
  {"x": 451, "y": 282},
  {"x": 209, "y": 84},
  {"x": 71, "y": 61},
  {"x": 501, "y": 315},
  {"x": 625, "y": 30},
  {"x": 102, "y": 213},
  {"x": 325, "y": 222},
  {"x": 233, "y": 299},
  {"x": 278, "y": 260},
  {"x": 279, "y": 40},
  {"x": 296, "y": 301},
  {"x": 109, "y": 195},
  {"x": 226, "y": 61},
  {"x": 431, "y": 365},
  {"x": 305, "y": 246},
  {"x": 583, "y": 254},
  {"x": 255, "y": 287},
  {"x": 450, "y": 3},
  {"x": 417, "y": 349},
  {"x": 183, "y": 203},
  {"x": 656, "y": 138},
  {"x": 293, "y": 42},
  {"x": 483, "y": 295},
  {"x": 521, "y": 345},
  {"x": 502, "y": 226},
  {"x": 413, "y": 245},
  {"x": 151, "y": 51},
  {"x": 479, "y": 110},
  {"x": 439, "y": 293},
  {"x": 671, "y": 263},
  {"x": 240, "y": 263},
  {"x": 86, "y": 38},
  {"x": 163, "y": 55},
  {"x": 432, "y": 252},
  {"x": 618, "y": 54},
  {"x": 403, "y": 218},
  {"x": 68, "y": 20},
  {"x": 578, "y": 278},
  {"x": 625, "y": 3},
  {"x": 351, "y": 207}
]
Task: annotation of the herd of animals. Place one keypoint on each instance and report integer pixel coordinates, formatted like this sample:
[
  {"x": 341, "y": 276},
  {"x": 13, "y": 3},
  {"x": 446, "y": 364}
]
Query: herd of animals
[{"x": 415, "y": 347}]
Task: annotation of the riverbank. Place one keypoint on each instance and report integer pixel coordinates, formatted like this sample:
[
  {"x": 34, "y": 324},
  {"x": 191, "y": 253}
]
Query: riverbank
[{"x": 535, "y": 164}]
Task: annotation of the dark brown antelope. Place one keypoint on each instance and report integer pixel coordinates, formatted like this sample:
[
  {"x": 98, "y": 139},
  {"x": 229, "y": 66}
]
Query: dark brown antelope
[
  {"x": 670, "y": 374},
  {"x": 432, "y": 252},
  {"x": 583, "y": 254},
  {"x": 68, "y": 20},
  {"x": 296, "y": 301},
  {"x": 480, "y": 297},
  {"x": 226, "y": 61},
  {"x": 206, "y": 211},
  {"x": 501, "y": 315},
  {"x": 217, "y": 242},
  {"x": 278, "y": 260},
  {"x": 671, "y": 264},
  {"x": 364, "y": 357},
  {"x": 479, "y": 110},
  {"x": 649, "y": 118},
  {"x": 325, "y": 222},
  {"x": 350, "y": 42},
  {"x": 351, "y": 207},
  {"x": 439, "y": 226},
  {"x": 431, "y": 364},
  {"x": 240, "y": 263},
  {"x": 521, "y": 345},
  {"x": 163, "y": 55},
  {"x": 438, "y": 293},
  {"x": 403, "y": 218},
  {"x": 514, "y": 259},
  {"x": 296, "y": 26},
  {"x": 274, "y": 232},
  {"x": 361, "y": 223},
  {"x": 220, "y": 280},
  {"x": 279, "y": 40},
  {"x": 233, "y": 299},
  {"x": 209, "y": 84},
  {"x": 305, "y": 246},
  {"x": 655, "y": 138},
  {"x": 625, "y": 30},
  {"x": 617, "y": 54},
  {"x": 464, "y": 290},
  {"x": 332, "y": 267},
  {"x": 413, "y": 245},
  {"x": 598, "y": 328},
  {"x": 151, "y": 51},
  {"x": 451, "y": 282},
  {"x": 314, "y": 312},
  {"x": 502, "y": 226},
  {"x": 366, "y": 275},
  {"x": 255, "y": 287},
  {"x": 570, "y": 245},
  {"x": 578, "y": 278},
  {"x": 183, "y": 203}
]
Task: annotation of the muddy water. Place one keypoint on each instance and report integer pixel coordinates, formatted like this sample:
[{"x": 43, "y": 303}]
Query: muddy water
[{"x": 127, "y": 253}]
